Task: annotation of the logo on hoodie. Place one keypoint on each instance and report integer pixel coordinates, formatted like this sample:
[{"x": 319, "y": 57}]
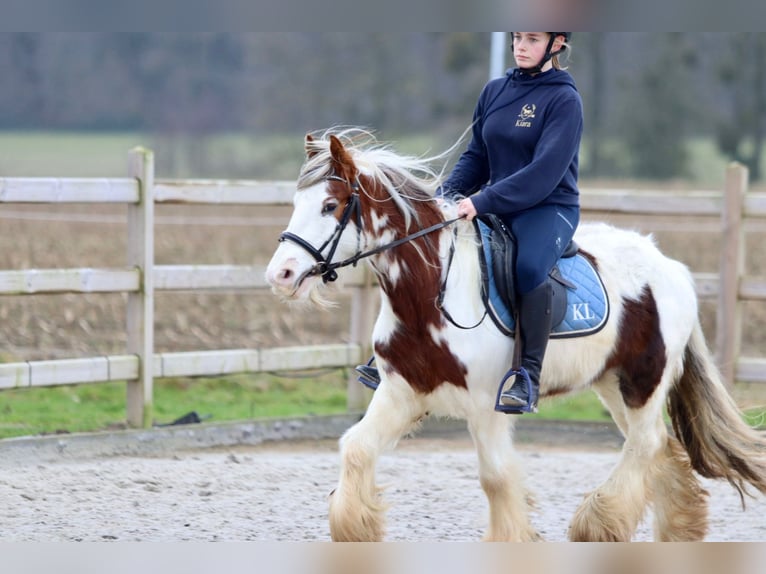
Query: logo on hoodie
[{"x": 527, "y": 113}]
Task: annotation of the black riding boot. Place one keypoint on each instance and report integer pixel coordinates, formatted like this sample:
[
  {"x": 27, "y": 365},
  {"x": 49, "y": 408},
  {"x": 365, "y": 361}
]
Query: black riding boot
[{"x": 535, "y": 328}]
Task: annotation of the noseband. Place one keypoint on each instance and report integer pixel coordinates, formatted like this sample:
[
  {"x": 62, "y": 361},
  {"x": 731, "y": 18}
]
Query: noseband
[{"x": 324, "y": 266}]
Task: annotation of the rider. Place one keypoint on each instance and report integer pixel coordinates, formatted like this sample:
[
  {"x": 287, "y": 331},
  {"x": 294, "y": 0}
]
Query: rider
[{"x": 522, "y": 165}]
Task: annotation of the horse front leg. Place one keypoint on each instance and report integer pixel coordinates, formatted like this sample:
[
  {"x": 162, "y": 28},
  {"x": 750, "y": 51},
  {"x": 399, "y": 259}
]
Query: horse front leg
[
  {"x": 357, "y": 510},
  {"x": 502, "y": 480}
]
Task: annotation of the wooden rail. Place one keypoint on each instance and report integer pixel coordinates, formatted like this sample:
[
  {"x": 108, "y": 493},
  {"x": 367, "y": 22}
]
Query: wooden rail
[{"x": 141, "y": 278}]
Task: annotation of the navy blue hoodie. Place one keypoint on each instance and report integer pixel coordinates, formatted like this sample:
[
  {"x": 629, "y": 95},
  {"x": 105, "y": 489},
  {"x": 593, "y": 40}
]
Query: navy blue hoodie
[{"x": 525, "y": 144}]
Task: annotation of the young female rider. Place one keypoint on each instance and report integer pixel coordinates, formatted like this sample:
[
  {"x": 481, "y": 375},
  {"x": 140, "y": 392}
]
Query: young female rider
[{"x": 521, "y": 165}]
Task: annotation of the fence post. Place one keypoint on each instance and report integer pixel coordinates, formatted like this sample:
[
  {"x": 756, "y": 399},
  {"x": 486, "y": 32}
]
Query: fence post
[
  {"x": 363, "y": 307},
  {"x": 729, "y": 311},
  {"x": 140, "y": 308}
]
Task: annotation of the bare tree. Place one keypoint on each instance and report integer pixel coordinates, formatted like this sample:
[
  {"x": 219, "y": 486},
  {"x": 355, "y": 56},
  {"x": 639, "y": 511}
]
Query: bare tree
[
  {"x": 740, "y": 132},
  {"x": 656, "y": 108},
  {"x": 594, "y": 46}
]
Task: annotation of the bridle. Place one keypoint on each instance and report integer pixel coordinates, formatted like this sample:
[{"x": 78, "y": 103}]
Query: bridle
[{"x": 325, "y": 266}]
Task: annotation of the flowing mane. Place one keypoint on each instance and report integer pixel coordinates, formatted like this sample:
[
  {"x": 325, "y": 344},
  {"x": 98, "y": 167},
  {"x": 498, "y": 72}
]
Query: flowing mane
[{"x": 405, "y": 178}]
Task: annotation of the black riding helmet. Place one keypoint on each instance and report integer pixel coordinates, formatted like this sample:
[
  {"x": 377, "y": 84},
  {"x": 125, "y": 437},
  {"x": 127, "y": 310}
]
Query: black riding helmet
[{"x": 548, "y": 54}]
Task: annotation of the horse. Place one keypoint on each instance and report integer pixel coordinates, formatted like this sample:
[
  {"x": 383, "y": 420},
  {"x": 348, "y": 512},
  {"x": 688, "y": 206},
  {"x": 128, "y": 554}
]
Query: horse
[{"x": 358, "y": 199}]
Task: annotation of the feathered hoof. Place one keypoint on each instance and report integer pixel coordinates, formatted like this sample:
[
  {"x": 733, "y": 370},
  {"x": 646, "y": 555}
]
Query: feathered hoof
[
  {"x": 355, "y": 523},
  {"x": 598, "y": 519}
]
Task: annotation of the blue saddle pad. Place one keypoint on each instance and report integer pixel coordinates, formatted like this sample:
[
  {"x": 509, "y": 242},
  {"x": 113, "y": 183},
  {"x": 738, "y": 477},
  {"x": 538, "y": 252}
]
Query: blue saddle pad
[{"x": 587, "y": 305}]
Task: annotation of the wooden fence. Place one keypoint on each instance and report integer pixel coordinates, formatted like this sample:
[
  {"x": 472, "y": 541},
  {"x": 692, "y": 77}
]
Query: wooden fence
[{"x": 141, "y": 278}]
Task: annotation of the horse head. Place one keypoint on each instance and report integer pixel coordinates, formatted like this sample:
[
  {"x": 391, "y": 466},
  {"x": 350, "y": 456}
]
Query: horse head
[
  {"x": 351, "y": 197},
  {"x": 325, "y": 223}
]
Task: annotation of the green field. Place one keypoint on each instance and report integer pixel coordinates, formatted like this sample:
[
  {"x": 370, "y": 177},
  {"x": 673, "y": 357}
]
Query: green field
[
  {"x": 102, "y": 406},
  {"x": 225, "y": 156},
  {"x": 86, "y": 154},
  {"x": 245, "y": 156},
  {"x": 95, "y": 407},
  {"x": 84, "y": 408}
]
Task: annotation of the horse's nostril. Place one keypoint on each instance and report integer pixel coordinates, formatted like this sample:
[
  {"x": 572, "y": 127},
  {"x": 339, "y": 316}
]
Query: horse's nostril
[{"x": 286, "y": 274}]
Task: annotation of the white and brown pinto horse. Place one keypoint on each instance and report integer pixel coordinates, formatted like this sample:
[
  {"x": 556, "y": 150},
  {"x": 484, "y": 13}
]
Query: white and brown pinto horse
[{"x": 357, "y": 200}]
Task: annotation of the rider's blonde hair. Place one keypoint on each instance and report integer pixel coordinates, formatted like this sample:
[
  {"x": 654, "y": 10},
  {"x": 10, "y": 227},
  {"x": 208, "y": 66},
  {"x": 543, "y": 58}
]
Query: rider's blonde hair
[{"x": 556, "y": 60}]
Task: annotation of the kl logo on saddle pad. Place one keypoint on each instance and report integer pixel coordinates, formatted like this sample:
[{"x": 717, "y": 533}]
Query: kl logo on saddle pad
[{"x": 582, "y": 312}]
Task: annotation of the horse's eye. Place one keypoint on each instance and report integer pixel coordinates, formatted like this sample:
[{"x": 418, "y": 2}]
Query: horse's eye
[{"x": 329, "y": 208}]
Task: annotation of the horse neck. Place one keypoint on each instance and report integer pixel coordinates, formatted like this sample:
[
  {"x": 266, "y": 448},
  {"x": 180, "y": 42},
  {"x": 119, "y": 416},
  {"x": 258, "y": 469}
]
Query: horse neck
[{"x": 410, "y": 274}]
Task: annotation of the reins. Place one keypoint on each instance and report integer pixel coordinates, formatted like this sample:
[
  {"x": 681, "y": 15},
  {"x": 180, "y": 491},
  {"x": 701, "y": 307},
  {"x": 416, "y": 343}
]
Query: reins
[
  {"x": 355, "y": 258},
  {"x": 327, "y": 269}
]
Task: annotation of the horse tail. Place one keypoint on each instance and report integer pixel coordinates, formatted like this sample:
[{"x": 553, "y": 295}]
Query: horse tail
[{"x": 709, "y": 424}]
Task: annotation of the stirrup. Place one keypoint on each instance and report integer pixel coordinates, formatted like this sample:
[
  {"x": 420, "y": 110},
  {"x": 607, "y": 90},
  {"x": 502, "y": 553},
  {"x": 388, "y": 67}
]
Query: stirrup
[
  {"x": 368, "y": 375},
  {"x": 515, "y": 409}
]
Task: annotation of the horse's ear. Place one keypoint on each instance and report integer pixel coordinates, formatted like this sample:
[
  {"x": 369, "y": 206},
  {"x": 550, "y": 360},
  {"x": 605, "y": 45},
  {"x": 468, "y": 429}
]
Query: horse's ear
[
  {"x": 309, "y": 147},
  {"x": 339, "y": 155}
]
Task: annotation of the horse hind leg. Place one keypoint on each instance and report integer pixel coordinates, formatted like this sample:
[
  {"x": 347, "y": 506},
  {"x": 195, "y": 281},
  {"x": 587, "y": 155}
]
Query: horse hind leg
[
  {"x": 680, "y": 502},
  {"x": 357, "y": 511},
  {"x": 612, "y": 512},
  {"x": 641, "y": 370}
]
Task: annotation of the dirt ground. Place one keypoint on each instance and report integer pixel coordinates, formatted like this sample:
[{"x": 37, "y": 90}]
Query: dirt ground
[{"x": 278, "y": 492}]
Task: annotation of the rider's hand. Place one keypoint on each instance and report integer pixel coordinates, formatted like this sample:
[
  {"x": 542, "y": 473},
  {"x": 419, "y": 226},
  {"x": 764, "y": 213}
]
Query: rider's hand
[{"x": 466, "y": 209}]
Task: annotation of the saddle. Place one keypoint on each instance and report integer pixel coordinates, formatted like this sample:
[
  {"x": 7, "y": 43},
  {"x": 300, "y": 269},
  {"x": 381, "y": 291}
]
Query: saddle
[{"x": 579, "y": 306}]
